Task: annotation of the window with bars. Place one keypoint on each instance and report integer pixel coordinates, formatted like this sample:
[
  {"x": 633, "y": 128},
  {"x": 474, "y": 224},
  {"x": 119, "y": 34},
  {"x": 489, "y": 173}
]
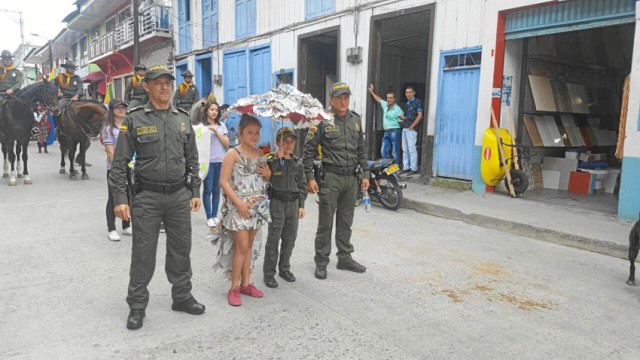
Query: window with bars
[{"x": 463, "y": 60}]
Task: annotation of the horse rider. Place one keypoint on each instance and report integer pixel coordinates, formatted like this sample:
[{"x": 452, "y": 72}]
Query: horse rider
[
  {"x": 70, "y": 89},
  {"x": 187, "y": 93},
  {"x": 10, "y": 77},
  {"x": 134, "y": 93},
  {"x": 69, "y": 85}
]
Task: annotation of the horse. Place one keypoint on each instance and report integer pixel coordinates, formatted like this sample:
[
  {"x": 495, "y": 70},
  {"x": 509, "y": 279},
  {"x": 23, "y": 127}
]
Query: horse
[
  {"x": 80, "y": 121},
  {"x": 16, "y": 124}
]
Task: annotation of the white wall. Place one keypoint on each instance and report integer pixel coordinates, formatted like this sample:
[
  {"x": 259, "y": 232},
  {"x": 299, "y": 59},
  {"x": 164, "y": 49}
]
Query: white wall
[{"x": 458, "y": 24}]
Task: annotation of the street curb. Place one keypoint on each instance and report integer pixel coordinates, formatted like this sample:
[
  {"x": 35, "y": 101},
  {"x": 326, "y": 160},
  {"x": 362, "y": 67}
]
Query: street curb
[{"x": 516, "y": 228}]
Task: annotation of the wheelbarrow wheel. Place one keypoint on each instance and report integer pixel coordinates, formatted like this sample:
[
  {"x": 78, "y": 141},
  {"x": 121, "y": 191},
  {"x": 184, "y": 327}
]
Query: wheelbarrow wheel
[{"x": 520, "y": 181}]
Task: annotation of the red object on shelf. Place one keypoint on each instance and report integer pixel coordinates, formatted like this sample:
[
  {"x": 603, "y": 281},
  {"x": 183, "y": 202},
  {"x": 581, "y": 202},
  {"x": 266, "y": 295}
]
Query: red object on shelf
[{"x": 581, "y": 182}]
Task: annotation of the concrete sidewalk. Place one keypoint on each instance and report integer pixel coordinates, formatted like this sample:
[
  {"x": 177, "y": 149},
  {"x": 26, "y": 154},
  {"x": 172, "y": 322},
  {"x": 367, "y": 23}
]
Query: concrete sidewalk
[{"x": 591, "y": 231}]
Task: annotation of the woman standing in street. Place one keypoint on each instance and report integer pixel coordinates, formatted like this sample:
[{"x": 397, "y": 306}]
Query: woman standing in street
[
  {"x": 219, "y": 144},
  {"x": 109, "y": 136}
]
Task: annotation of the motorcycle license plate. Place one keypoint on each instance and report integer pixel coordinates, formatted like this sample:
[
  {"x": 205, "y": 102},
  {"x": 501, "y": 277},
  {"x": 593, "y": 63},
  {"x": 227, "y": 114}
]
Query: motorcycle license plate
[{"x": 392, "y": 169}]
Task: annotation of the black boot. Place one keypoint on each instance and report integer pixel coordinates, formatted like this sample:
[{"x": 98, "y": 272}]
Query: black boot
[
  {"x": 134, "y": 321},
  {"x": 321, "y": 272}
]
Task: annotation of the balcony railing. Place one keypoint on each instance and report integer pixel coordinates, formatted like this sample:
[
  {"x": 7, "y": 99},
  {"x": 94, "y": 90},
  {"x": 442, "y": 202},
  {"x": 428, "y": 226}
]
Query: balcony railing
[{"x": 154, "y": 20}]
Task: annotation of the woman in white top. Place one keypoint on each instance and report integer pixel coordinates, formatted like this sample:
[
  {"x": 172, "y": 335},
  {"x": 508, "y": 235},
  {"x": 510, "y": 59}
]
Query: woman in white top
[{"x": 219, "y": 144}]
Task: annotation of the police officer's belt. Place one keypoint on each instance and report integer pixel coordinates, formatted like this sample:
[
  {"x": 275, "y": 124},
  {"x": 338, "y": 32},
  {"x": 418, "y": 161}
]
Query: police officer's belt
[
  {"x": 284, "y": 196},
  {"x": 167, "y": 188},
  {"x": 340, "y": 170}
]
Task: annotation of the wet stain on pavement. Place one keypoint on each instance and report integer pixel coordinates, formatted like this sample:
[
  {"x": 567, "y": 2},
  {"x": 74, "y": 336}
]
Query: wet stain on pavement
[
  {"x": 489, "y": 268},
  {"x": 524, "y": 304}
]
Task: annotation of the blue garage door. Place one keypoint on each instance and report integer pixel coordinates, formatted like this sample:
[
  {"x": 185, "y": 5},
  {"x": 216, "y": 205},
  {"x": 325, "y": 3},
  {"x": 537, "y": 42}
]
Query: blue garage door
[
  {"x": 456, "y": 114},
  {"x": 235, "y": 85},
  {"x": 260, "y": 82}
]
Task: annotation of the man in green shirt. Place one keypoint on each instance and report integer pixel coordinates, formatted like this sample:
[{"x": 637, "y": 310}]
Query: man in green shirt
[
  {"x": 167, "y": 189},
  {"x": 343, "y": 150},
  {"x": 391, "y": 119}
]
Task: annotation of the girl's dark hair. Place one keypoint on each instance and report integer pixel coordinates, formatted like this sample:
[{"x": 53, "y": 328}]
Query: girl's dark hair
[
  {"x": 109, "y": 121},
  {"x": 246, "y": 120},
  {"x": 204, "y": 117}
]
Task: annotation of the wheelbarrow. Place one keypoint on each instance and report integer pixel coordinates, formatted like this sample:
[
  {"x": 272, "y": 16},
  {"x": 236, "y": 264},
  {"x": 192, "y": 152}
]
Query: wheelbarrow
[{"x": 500, "y": 160}]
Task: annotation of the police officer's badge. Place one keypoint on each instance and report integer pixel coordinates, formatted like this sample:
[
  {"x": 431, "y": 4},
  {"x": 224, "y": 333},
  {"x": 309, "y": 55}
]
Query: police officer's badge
[
  {"x": 311, "y": 132},
  {"x": 183, "y": 128},
  {"x": 357, "y": 127}
]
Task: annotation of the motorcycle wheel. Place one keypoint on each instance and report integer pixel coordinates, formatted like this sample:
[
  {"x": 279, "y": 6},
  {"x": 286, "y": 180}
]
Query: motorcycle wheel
[{"x": 390, "y": 193}]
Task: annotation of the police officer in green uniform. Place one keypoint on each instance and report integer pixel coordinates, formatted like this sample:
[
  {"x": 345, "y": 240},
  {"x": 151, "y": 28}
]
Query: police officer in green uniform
[
  {"x": 134, "y": 93},
  {"x": 69, "y": 85},
  {"x": 187, "y": 93},
  {"x": 10, "y": 77},
  {"x": 167, "y": 189},
  {"x": 342, "y": 151},
  {"x": 70, "y": 88},
  {"x": 287, "y": 194}
]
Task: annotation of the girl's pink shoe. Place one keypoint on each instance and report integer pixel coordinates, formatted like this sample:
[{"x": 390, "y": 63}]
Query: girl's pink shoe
[
  {"x": 252, "y": 291},
  {"x": 234, "y": 297}
]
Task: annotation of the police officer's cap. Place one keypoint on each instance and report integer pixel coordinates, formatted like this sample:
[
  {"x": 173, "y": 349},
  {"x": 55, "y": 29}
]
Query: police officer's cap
[
  {"x": 117, "y": 102},
  {"x": 286, "y": 132},
  {"x": 156, "y": 71},
  {"x": 340, "y": 88},
  {"x": 140, "y": 67},
  {"x": 69, "y": 65},
  {"x": 187, "y": 73},
  {"x": 6, "y": 54}
]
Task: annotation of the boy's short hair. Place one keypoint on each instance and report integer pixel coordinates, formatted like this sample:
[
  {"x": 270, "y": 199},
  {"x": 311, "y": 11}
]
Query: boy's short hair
[{"x": 391, "y": 92}]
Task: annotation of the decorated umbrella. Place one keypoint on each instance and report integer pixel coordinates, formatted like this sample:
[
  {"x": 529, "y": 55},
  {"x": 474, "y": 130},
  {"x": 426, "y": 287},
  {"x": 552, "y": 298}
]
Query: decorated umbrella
[{"x": 285, "y": 103}]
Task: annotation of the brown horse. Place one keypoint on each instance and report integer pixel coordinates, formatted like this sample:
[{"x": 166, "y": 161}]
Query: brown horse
[{"x": 79, "y": 122}]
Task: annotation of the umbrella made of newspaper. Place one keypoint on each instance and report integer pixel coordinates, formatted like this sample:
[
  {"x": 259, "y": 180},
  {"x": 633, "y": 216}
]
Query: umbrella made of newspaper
[{"x": 285, "y": 103}]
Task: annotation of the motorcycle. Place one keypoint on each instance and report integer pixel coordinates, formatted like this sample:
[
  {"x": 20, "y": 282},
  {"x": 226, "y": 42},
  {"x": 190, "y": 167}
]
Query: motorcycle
[{"x": 383, "y": 184}]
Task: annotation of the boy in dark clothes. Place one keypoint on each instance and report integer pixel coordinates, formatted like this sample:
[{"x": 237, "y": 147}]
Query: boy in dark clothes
[{"x": 287, "y": 194}]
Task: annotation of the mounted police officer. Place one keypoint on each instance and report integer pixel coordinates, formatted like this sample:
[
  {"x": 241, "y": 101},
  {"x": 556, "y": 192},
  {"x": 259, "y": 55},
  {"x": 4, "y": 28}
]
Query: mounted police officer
[
  {"x": 343, "y": 151},
  {"x": 167, "y": 189},
  {"x": 187, "y": 93},
  {"x": 134, "y": 93},
  {"x": 70, "y": 89},
  {"x": 69, "y": 85},
  {"x": 10, "y": 77}
]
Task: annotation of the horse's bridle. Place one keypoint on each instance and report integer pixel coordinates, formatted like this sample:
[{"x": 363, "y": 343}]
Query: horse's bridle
[{"x": 85, "y": 128}]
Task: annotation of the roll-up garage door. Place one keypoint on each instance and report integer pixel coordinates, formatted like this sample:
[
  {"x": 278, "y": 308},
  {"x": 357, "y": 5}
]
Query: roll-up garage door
[{"x": 568, "y": 16}]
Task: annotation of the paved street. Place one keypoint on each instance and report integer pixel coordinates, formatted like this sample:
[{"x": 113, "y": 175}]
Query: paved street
[{"x": 434, "y": 288}]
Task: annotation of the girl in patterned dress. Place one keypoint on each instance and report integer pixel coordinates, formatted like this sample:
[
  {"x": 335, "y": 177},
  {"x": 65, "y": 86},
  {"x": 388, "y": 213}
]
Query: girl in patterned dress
[{"x": 245, "y": 207}]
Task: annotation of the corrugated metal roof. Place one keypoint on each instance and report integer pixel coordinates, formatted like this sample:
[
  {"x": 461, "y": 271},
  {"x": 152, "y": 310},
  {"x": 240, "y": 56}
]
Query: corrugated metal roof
[{"x": 567, "y": 16}]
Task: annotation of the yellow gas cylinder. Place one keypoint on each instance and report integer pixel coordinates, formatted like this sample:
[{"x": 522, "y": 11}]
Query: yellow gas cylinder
[{"x": 491, "y": 165}]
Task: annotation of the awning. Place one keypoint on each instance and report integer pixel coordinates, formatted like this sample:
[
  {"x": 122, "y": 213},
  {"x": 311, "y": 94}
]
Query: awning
[
  {"x": 568, "y": 16},
  {"x": 94, "y": 76},
  {"x": 116, "y": 63}
]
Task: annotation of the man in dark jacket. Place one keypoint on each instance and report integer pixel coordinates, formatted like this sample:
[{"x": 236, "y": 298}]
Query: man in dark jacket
[{"x": 187, "y": 93}]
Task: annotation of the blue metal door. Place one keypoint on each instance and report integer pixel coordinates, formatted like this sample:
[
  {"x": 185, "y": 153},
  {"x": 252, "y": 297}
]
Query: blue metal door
[
  {"x": 456, "y": 115},
  {"x": 209, "y": 22},
  {"x": 184, "y": 26},
  {"x": 204, "y": 75},
  {"x": 235, "y": 85},
  {"x": 180, "y": 68},
  {"x": 260, "y": 82}
]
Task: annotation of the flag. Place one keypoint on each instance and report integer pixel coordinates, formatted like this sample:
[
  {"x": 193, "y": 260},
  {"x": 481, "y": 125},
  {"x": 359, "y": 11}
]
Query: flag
[
  {"x": 52, "y": 76},
  {"x": 108, "y": 95}
]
